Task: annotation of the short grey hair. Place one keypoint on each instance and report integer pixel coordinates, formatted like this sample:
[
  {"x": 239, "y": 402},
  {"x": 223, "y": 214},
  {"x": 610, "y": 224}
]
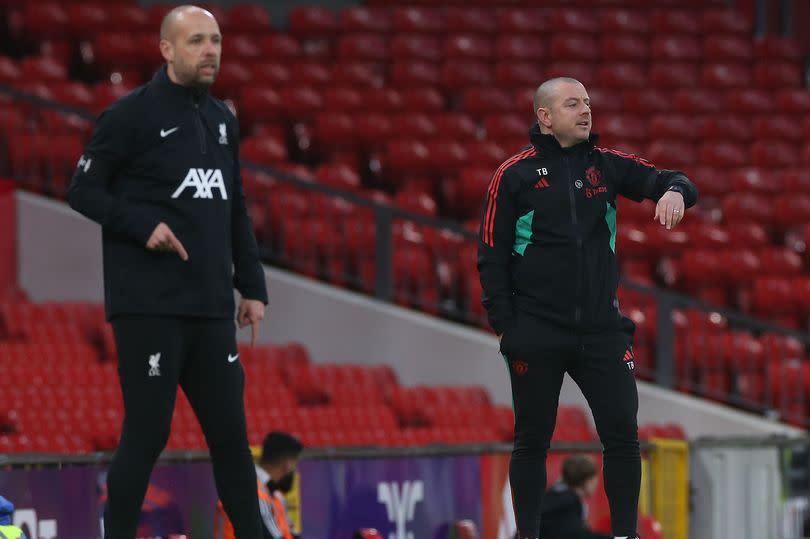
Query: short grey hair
[{"x": 544, "y": 94}]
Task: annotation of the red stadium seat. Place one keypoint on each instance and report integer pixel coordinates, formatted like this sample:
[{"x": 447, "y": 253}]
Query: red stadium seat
[
  {"x": 585, "y": 72},
  {"x": 672, "y": 153},
  {"x": 384, "y": 100},
  {"x": 263, "y": 150},
  {"x": 249, "y": 18},
  {"x": 279, "y": 47},
  {"x": 728, "y": 48},
  {"x": 270, "y": 74},
  {"x": 480, "y": 102},
  {"x": 365, "y": 19},
  {"x": 363, "y": 47},
  {"x": 629, "y": 126},
  {"x": 695, "y": 100},
  {"x": 415, "y": 75},
  {"x": 726, "y": 21},
  {"x": 748, "y": 207},
  {"x": 624, "y": 21},
  {"x": 723, "y": 154},
  {"x": 777, "y": 75},
  {"x": 523, "y": 21},
  {"x": 312, "y": 21},
  {"x": 793, "y": 100},
  {"x": 772, "y": 47},
  {"x": 666, "y": 22},
  {"x": 676, "y": 48},
  {"x": 646, "y": 101},
  {"x": 726, "y": 75},
  {"x": 792, "y": 210},
  {"x": 671, "y": 75},
  {"x": 513, "y": 75},
  {"x": 573, "y": 47},
  {"x": 416, "y": 47},
  {"x": 756, "y": 180},
  {"x": 624, "y": 47},
  {"x": 126, "y": 18},
  {"x": 773, "y": 153},
  {"x": 41, "y": 19},
  {"x": 721, "y": 127},
  {"x": 424, "y": 99},
  {"x": 574, "y": 20},
  {"x": 672, "y": 126},
  {"x": 528, "y": 48},
  {"x": 467, "y": 47},
  {"x": 797, "y": 181},
  {"x": 458, "y": 75},
  {"x": 365, "y": 75},
  {"x": 418, "y": 19},
  {"x": 470, "y": 20},
  {"x": 749, "y": 101},
  {"x": 342, "y": 99},
  {"x": 621, "y": 75}
]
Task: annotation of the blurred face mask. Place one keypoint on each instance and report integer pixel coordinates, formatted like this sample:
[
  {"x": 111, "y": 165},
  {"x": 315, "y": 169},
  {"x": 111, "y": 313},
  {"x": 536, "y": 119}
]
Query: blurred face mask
[{"x": 283, "y": 485}]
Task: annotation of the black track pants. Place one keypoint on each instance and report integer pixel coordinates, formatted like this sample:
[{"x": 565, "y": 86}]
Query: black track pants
[
  {"x": 538, "y": 355},
  {"x": 155, "y": 354}
]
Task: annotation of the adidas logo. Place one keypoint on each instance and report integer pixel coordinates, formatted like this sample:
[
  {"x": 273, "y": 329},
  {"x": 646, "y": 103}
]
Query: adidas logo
[
  {"x": 628, "y": 359},
  {"x": 542, "y": 184}
]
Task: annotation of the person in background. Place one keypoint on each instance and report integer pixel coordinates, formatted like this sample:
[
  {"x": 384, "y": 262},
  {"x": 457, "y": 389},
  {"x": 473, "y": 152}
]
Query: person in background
[
  {"x": 275, "y": 474},
  {"x": 563, "y": 511},
  {"x": 7, "y": 531}
]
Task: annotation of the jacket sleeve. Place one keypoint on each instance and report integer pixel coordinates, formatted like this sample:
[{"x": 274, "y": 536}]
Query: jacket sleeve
[
  {"x": 495, "y": 243},
  {"x": 89, "y": 193},
  {"x": 637, "y": 179},
  {"x": 248, "y": 276}
]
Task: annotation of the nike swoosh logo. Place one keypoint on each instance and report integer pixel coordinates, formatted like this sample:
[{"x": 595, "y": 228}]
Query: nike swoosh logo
[
  {"x": 231, "y": 358},
  {"x": 166, "y": 132}
]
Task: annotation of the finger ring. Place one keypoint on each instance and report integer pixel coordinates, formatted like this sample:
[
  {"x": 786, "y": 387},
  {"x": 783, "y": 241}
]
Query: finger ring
[{"x": 676, "y": 211}]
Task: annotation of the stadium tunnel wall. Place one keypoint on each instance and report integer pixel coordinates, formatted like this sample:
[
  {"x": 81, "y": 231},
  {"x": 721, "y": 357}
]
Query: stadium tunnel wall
[{"x": 60, "y": 259}]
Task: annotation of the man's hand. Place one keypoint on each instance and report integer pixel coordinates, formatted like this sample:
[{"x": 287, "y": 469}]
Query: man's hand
[
  {"x": 251, "y": 311},
  {"x": 163, "y": 239},
  {"x": 669, "y": 210}
]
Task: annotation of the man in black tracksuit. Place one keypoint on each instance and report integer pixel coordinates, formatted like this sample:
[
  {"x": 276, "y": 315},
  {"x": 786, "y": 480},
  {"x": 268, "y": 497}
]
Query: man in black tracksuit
[
  {"x": 548, "y": 269},
  {"x": 161, "y": 175}
]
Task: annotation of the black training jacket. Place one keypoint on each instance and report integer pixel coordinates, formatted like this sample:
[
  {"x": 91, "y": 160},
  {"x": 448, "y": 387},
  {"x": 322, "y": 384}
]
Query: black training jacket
[
  {"x": 547, "y": 243},
  {"x": 563, "y": 515},
  {"x": 167, "y": 153}
]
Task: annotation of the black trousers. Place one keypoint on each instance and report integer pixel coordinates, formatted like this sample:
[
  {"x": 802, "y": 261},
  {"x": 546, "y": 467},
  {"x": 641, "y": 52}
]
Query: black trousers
[
  {"x": 155, "y": 354},
  {"x": 538, "y": 355}
]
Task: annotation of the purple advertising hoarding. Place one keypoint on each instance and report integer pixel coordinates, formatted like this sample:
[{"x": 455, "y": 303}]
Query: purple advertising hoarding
[
  {"x": 68, "y": 503},
  {"x": 403, "y": 498}
]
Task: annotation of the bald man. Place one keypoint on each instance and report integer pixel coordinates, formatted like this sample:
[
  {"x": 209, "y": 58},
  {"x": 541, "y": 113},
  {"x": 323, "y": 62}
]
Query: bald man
[
  {"x": 548, "y": 268},
  {"x": 161, "y": 176}
]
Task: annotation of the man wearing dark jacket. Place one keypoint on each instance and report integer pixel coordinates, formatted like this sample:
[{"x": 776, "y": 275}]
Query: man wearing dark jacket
[
  {"x": 161, "y": 176},
  {"x": 563, "y": 510},
  {"x": 549, "y": 273}
]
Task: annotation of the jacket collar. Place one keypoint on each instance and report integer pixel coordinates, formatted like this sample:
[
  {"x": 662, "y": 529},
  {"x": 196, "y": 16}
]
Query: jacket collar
[
  {"x": 176, "y": 92},
  {"x": 548, "y": 145}
]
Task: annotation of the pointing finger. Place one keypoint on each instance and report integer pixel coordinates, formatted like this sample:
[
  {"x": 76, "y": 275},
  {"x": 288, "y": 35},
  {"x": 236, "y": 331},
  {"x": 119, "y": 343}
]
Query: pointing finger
[{"x": 177, "y": 247}]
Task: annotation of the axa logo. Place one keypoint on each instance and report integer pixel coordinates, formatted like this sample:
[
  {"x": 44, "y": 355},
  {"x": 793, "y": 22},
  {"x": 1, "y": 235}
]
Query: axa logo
[
  {"x": 204, "y": 181},
  {"x": 400, "y": 503},
  {"x": 35, "y": 528}
]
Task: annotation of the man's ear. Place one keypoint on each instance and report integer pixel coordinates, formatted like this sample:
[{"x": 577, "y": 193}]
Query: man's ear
[
  {"x": 167, "y": 50},
  {"x": 544, "y": 117}
]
